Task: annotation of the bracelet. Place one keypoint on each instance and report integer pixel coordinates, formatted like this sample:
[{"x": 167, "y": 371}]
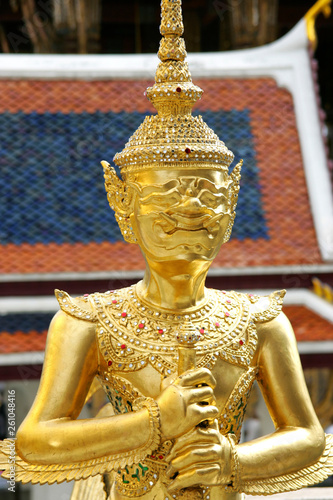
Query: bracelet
[
  {"x": 235, "y": 465},
  {"x": 154, "y": 439}
]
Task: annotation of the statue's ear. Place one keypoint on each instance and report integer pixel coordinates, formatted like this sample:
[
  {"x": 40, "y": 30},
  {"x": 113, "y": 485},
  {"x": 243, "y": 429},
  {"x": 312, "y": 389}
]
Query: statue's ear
[
  {"x": 233, "y": 191},
  {"x": 120, "y": 199}
]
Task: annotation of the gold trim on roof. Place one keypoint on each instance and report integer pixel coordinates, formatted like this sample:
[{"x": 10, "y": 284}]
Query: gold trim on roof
[{"x": 320, "y": 7}]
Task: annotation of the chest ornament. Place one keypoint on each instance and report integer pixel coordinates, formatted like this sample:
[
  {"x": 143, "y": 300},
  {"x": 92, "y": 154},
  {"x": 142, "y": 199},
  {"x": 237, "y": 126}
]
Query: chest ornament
[{"x": 131, "y": 334}]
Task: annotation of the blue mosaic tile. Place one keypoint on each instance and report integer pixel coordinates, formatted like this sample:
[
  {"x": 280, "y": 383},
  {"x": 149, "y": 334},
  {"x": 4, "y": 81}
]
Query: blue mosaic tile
[
  {"x": 25, "y": 322},
  {"x": 51, "y": 184}
]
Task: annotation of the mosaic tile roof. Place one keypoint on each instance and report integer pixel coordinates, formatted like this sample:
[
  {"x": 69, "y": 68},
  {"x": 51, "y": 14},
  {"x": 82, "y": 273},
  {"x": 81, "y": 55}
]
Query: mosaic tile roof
[
  {"x": 54, "y": 213},
  {"x": 27, "y": 332}
]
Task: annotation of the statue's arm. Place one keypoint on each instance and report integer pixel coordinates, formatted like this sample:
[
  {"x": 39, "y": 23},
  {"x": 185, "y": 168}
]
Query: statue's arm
[
  {"x": 50, "y": 433},
  {"x": 298, "y": 440}
]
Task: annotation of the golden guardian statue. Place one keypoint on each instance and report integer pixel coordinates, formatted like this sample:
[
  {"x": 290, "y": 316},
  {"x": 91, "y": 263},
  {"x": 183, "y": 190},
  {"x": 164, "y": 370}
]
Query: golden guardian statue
[{"x": 176, "y": 360}]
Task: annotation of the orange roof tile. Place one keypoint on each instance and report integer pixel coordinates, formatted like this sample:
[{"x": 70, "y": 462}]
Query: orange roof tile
[{"x": 308, "y": 326}]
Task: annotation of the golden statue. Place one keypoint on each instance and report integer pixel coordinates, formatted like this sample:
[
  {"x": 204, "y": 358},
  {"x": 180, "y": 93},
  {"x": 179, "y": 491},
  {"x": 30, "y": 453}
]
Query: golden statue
[{"x": 176, "y": 360}]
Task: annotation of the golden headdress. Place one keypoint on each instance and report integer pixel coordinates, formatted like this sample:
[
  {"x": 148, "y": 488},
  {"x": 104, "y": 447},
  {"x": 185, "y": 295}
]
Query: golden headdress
[
  {"x": 173, "y": 135},
  {"x": 173, "y": 138}
]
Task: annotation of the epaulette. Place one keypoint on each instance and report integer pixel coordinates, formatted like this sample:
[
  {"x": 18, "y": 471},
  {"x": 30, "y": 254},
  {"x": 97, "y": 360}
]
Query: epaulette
[
  {"x": 266, "y": 308},
  {"x": 71, "y": 307}
]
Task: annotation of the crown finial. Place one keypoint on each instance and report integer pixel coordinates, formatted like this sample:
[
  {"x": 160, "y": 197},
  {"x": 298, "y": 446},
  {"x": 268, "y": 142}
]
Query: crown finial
[
  {"x": 171, "y": 18},
  {"x": 172, "y": 50},
  {"x": 172, "y": 72}
]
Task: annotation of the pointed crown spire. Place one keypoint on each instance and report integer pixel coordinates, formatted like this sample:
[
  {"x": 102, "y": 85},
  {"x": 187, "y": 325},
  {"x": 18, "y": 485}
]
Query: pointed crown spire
[{"x": 173, "y": 137}]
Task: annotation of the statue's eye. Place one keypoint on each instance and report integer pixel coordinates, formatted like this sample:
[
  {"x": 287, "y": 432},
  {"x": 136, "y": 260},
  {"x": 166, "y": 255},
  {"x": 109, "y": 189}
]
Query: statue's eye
[
  {"x": 211, "y": 200},
  {"x": 165, "y": 200}
]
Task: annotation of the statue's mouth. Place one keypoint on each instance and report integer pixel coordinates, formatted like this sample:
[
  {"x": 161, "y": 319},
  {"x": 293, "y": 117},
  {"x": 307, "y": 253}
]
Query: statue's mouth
[{"x": 189, "y": 222}]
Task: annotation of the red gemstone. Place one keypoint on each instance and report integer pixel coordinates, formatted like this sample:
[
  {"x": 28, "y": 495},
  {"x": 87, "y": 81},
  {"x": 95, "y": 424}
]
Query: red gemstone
[
  {"x": 86, "y": 295},
  {"x": 217, "y": 324},
  {"x": 124, "y": 314},
  {"x": 202, "y": 330},
  {"x": 160, "y": 457},
  {"x": 123, "y": 346},
  {"x": 160, "y": 330},
  {"x": 109, "y": 363},
  {"x": 187, "y": 151},
  {"x": 229, "y": 301},
  {"x": 241, "y": 342},
  {"x": 227, "y": 314},
  {"x": 141, "y": 325},
  {"x": 178, "y": 89},
  {"x": 152, "y": 456},
  {"x": 251, "y": 295},
  {"x": 114, "y": 301}
]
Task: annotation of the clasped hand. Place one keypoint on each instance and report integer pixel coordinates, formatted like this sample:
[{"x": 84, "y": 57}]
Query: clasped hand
[{"x": 200, "y": 455}]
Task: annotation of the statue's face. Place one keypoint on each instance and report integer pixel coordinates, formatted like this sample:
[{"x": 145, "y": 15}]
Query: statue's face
[{"x": 180, "y": 215}]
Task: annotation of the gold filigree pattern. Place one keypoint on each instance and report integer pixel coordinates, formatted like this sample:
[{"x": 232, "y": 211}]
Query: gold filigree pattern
[
  {"x": 171, "y": 18},
  {"x": 174, "y": 141},
  {"x": 172, "y": 48},
  {"x": 120, "y": 200}
]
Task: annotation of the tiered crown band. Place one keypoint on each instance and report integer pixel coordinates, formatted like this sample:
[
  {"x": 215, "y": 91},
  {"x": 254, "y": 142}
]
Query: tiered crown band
[{"x": 173, "y": 137}]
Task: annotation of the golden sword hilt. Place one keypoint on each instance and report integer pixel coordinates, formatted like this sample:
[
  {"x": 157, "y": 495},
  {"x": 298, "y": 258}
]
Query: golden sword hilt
[{"x": 187, "y": 337}]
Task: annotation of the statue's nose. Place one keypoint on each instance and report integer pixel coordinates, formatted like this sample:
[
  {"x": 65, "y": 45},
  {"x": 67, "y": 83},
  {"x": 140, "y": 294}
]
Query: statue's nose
[{"x": 191, "y": 204}]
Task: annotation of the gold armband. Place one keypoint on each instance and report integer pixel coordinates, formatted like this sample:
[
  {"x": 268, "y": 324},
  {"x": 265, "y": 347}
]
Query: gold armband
[
  {"x": 154, "y": 422},
  {"x": 235, "y": 465}
]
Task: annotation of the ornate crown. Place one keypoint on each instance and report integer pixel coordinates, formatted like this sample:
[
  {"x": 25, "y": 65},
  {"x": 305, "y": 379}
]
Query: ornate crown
[{"x": 173, "y": 136}]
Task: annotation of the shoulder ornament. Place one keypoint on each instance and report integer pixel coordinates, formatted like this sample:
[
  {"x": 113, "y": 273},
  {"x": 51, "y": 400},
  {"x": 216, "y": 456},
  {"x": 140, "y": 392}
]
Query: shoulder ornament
[
  {"x": 266, "y": 308},
  {"x": 71, "y": 307}
]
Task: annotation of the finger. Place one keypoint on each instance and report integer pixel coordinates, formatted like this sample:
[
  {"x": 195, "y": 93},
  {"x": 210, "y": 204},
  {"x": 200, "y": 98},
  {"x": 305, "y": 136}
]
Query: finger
[
  {"x": 208, "y": 412},
  {"x": 194, "y": 477},
  {"x": 195, "y": 436},
  {"x": 204, "y": 393},
  {"x": 196, "y": 377},
  {"x": 196, "y": 455}
]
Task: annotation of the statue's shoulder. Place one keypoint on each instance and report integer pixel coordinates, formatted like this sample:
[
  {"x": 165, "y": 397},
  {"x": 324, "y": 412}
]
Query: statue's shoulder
[{"x": 265, "y": 308}]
